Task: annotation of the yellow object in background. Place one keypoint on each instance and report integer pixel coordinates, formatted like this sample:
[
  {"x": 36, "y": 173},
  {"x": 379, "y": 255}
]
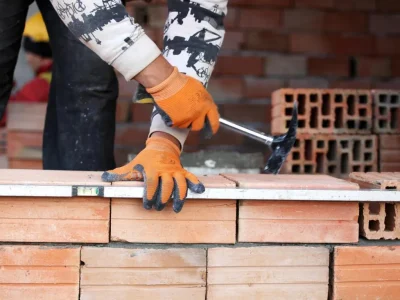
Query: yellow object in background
[{"x": 35, "y": 29}]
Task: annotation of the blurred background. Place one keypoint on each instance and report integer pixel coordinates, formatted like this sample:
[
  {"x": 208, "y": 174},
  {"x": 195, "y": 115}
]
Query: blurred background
[{"x": 340, "y": 59}]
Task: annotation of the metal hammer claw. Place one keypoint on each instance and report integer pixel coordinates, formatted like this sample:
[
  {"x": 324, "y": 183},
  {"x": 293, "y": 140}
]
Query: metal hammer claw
[{"x": 280, "y": 144}]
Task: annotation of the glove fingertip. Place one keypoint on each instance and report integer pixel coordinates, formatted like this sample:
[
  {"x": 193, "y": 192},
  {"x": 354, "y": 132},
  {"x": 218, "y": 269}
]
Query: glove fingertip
[
  {"x": 178, "y": 205},
  {"x": 197, "y": 188}
]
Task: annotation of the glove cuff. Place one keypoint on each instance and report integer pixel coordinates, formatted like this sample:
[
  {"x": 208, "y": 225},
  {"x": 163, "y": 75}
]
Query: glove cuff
[
  {"x": 160, "y": 143},
  {"x": 169, "y": 87}
]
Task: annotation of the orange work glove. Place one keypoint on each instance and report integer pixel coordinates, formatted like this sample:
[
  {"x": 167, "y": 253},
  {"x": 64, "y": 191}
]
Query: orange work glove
[
  {"x": 160, "y": 167},
  {"x": 183, "y": 102}
]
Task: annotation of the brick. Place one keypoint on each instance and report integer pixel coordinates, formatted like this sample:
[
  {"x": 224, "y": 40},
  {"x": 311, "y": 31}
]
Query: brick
[
  {"x": 335, "y": 155},
  {"x": 388, "y": 45},
  {"x": 262, "y": 87},
  {"x": 366, "y": 272},
  {"x": 389, "y": 84},
  {"x": 126, "y": 88},
  {"x": 328, "y": 66},
  {"x": 356, "y": 5},
  {"x": 389, "y": 6},
  {"x": 239, "y": 65},
  {"x": 69, "y": 220},
  {"x": 389, "y": 167},
  {"x": 256, "y": 18},
  {"x": 377, "y": 180},
  {"x": 345, "y": 22},
  {"x": 118, "y": 273},
  {"x": 247, "y": 112},
  {"x": 263, "y": 40},
  {"x": 26, "y": 116},
  {"x": 225, "y": 89},
  {"x": 233, "y": 40},
  {"x": 286, "y": 65},
  {"x": 315, "y": 4},
  {"x": 331, "y": 44},
  {"x": 308, "y": 82},
  {"x": 272, "y": 3},
  {"x": 395, "y": 67},
  {"x": 129, "y": 134},
  {"x": 384, "y": 24},
  {"x": 222, "y": 138},
  {"x": 357, "y": 83},
  {"x": 323, "y": 111},
  {"x": 39, "y": 272},
  {"x": 303, "y": 20},
  {"x": 141, "y": 112},
  {"x": 24, "y": 144},
  {"x": 386, "y": 111},
  {"x": 200, "y": 221},
  {"x": 268, "y": 272},
  {"x": 122, "y": 111},
  {"x": 32, "y": 164},
  {"x": 231, "y": 19},
  {"x": 373, "y": 67},
  {"x": 389, "y": 141}
]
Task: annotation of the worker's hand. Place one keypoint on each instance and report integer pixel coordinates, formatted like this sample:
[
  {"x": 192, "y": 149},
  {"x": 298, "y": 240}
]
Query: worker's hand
[
  {"x": 160, "y": 168},
  {"x": 183, "y": 102}
]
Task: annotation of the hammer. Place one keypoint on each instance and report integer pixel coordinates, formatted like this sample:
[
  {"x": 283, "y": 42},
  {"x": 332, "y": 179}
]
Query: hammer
[{"x": 280, "y": 144}]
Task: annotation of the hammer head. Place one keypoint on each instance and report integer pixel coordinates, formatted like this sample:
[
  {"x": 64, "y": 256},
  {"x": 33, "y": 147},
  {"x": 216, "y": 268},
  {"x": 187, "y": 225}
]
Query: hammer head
[{"x": 281, "y": 146}]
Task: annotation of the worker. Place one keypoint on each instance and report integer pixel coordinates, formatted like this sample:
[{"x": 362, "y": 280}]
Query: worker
[
  {"x": 38, "y": 55},
  {"x": 80, "y": 120}
]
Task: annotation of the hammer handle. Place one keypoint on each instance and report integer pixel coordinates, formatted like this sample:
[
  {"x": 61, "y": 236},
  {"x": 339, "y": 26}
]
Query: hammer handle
[{"x": 254, "y": 134}]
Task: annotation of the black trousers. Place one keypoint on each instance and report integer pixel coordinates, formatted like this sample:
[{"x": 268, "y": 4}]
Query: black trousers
[{"x": 80, "y": 120}]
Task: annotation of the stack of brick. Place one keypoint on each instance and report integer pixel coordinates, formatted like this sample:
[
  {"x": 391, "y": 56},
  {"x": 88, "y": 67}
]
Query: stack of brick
[
  {"x": 334, "y": 130},
  {"x": 213, "y": 249},
  {"x": 25, "y": 124}
]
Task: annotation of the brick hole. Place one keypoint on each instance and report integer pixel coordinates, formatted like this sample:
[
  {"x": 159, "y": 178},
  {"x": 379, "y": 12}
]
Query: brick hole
[
  {"x": 338, "y": 117},
  {"x": 394, "y": 99},
  {"x": 313, "y": 98},
  {"x": 344, "y": 144},
  {"x": 296, "y": 155},
  {"x": 393, "y": 117},
  {"x": 356, "y": 168},
  {"x": 368, "y": 143},
  {"x": 331, "y": 169},
  {"x": 344, "y": 163},
  {"x": 296, "y": 169},
  {"x": 326, "y": 123},
  {"x": 390, "y": 217},
  {"x": 320, "y": 144},
  {"x": 382, "y": 123},
  {"x": 382, "y": 98},
  {"x": 351, "y": 124},
  {"x": 301, "y": 99},
  {"x": 363, "y": 124},
  {"x": 296, "y": 143},
  {"x": 382, "y": 110},
  {"x": 338, "y": 98},
  {"x": 374, "y": 208},
  {"x": 288, "y": 98},
  {"x": 356, "y": 150},
  {"x": 351, "y": 105},
  {"x": 301, "y": 124},
  {"x": 362, "y": 112},
  {"x": 367, "y": 168},
  {"x": 331, "y": 150},
  {"x": 390, "y": 188},
  {"x": 373, "y": 225},
  {"x": 326, "y": 104},
  {"x": 320, "y": 163},
  {"x": 314, "y": 117},
  {"x": 367, "y": 156},
  {"x": 308, "y": 169},
  {"x": 363, "y": 99},
  {"x": 308, "y": 150},
  {"x": 288, "y": 111}
]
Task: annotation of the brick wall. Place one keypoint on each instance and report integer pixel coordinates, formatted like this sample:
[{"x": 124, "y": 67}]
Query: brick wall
[{"x": 272, "y": 44}]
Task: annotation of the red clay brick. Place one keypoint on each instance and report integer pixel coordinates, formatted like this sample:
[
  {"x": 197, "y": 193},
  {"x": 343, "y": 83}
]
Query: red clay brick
[
  {"x": 308, "y": 82},
  {"x": 118, "y": 273},
  {"x": 363, "y": 84},
  {"x": 366, "y": 272},
  {"x": 386, "y": 111},
  {"x": 395, "y": 67},
  {"x": 233, "y": 40},
  {"x": 345, "y": 22},
  {"x": 31, "y": 164},
  {"x": 390, "y": 84},
  {"x": 389, "y": 141},
  {"x": 39, "y": 272},
  {"x": 390, "y": 167},
  {"x": 200, "y": 221},
  {"x": 262, "y": 88},
  {"x": 389, "y": 6},
  {"x": 24, "y": 144},
  {"x": 268, "y": 273},
  {"x": 272, "y": 3},
  {"x": 315, "y": 4},
  {"x": 225, "y": 89},
  {"x": 388, "y": 45},
  {"x": 239, "y": 65},
  {"x": 373, "y": 67},
  {"x": 129, "y": 134},
  {"x": 300, "y": 19},
  {"x": 384, "y": 24},
  {"x": 244, "y": 112},
  {"x": 256, "y": 18},
  {"x": 263, "y": 40},
  {"x": 328, "y": 66},
  {"x": 231, "y": 19},
  {"x": 356, "y": 5},
  {"x": 26, "y": 116},
  {"x": 141, "y": 112},
  {"x": 126, "y": 88},
  {"x": 123, "y": 108},
  {"x": 286, "y": 65}
]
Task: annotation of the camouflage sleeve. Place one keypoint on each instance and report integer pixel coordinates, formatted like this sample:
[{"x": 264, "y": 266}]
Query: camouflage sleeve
[
  {"x": 105, "y": 27},
  {"x": 193, "y": 35}
]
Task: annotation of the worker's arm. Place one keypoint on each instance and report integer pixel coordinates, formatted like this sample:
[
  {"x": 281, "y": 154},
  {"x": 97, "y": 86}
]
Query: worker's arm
[{"x": 107, "y": 29}]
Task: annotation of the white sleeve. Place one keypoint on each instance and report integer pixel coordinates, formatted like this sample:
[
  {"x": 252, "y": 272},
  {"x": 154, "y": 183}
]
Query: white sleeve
[{"x": 106, "y": 28}]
